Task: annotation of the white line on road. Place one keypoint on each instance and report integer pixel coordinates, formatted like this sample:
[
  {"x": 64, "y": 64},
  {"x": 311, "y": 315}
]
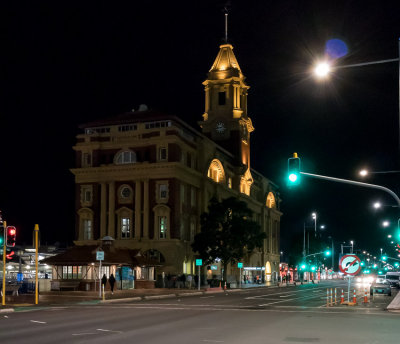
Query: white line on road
[
  {"x": 83, "y": 334},
  {"x": 39, "y": 322},
  {"x": 103, "y": 330}
]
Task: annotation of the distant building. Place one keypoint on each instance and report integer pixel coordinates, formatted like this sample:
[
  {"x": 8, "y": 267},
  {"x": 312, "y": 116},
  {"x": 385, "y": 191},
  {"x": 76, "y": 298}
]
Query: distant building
[{"x": 144, "y": 177}]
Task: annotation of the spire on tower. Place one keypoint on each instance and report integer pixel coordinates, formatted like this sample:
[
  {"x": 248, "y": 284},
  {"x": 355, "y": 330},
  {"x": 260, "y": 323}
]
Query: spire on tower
[{"x": 226, "y": 24}]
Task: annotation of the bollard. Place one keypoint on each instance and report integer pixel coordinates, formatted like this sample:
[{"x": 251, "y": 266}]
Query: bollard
[
  {"x": 354, "y": 296},
  {"x": 335, "y": 297},
  {"x": 342, "y": 297},
  {"x": 365, "y": 296},
  {"x": 103, "y": 292},
  {"x": 331, "y": 303},
  {"x": 327, "y": 297}
]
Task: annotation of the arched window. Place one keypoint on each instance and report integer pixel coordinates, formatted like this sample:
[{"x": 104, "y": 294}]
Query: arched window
[
  {"x": 126, "y": 225},
  {"x": 125, "y": 157},
  {"x": 161, "y": 222},
  {"x": 216, "y": 171},
  {"x": 271, "y": 201},
  {"x": 245, "y": 183},
  {"x": 85, "y": 224}
]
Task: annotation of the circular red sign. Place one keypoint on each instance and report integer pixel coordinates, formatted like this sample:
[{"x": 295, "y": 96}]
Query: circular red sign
[{"x": 350, "y": 264}]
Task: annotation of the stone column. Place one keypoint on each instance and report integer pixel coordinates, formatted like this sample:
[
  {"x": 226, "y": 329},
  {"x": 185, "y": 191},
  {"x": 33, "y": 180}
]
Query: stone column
[
  {"x": 111, "y": 210},
  {"x": 103, "y": 210},
  {"x": 146, "y": 209},
  {"x": 138, "y": 209}
]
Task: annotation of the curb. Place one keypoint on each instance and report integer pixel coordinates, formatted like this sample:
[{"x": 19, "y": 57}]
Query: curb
[
  {"x": 156, "y": 297},
  {"x": 191, "y": 294},
  {"x": 127, "y": 299}
]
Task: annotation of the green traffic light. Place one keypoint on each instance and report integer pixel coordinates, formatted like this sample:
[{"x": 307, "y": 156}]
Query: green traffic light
[
  {"x": 327, "y": 253},
  {"x": 384, "y": 257},
  {"x": 313, "y": 268},
  {"x": 293, "y": 177},
  {"x": 294, "y": 170}
]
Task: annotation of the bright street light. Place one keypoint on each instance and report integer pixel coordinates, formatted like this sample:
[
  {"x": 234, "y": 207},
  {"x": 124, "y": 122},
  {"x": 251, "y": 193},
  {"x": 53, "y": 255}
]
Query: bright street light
[
  {"x": 365, "y": 172},
  {"x": 377, "y": 205},
  {"x": 385, "y": 223},
  {"x": 322, "y": 69}
]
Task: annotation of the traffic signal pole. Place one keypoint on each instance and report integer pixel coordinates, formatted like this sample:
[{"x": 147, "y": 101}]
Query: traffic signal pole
[
  {"x": 353, "y": 182},
  {"x": 3, "y": 297}
]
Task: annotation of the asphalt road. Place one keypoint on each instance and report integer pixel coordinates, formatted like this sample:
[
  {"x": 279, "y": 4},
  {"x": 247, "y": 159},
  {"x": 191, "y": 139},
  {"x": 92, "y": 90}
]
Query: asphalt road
[{"x": 262, "y": 315}]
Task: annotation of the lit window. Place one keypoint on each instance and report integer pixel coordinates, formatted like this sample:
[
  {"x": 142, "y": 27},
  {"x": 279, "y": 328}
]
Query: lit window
[
  {"x": 126, "y": 157},
  {"x": 125, "y": 227},
  {"x": 271, "y": 200},
  {"x": 230, "y": 183},
  {"x": 216, "y": 171},
  {"x": 162, "y": 223},
  {"x": 87, "y": 229}
]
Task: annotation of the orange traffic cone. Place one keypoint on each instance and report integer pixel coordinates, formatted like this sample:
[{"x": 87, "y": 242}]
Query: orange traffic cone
[
  {"x": 342, "y": 297},
  {"x": 225, "y": 286},
  {"x": 354, "y": 297},
  {"x": 365, "y": 296},
  {"x": 220, "y": 285}
]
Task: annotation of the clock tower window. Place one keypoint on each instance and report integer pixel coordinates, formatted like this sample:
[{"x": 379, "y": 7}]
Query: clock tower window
[{"x": 222, "y": 98}]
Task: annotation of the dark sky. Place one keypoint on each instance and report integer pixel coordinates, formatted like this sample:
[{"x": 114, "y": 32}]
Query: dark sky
[{"x": 62, "y": 65}]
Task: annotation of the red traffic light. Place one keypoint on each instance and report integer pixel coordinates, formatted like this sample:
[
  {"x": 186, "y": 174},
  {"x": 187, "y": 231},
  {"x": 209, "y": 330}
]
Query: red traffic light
[{"x": 11, "y": 234}]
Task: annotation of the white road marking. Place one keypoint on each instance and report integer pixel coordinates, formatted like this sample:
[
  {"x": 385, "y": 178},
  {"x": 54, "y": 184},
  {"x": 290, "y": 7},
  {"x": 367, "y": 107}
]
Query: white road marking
[
  {"x": 82, "y": 334},
  {"x": 206, "y": 297},
  {"x": 103, "y": 330},
  {"x": 6, "y": 316},
  {"x": 286, "y": 295},
  {"x": 274, "y": 309},
  {"x": 39, "y": 322}
]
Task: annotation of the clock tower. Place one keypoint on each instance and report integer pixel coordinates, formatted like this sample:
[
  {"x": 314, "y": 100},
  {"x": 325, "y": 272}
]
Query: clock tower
[{"x": 225, "y": 119}]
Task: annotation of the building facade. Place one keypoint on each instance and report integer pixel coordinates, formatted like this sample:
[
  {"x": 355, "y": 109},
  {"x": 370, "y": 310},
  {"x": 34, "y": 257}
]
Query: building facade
[{"x": 144, "y": 177}]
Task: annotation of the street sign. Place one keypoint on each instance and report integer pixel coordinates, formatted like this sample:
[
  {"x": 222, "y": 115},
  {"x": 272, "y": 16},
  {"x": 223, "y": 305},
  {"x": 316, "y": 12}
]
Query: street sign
[
  {"x": 214, "y": 267},
  {"x": 240, "y": 265},
  {"x": 199, "y": 262},
  {"x": 100, "y": 255},
  {"x": 350, "y": 264}
]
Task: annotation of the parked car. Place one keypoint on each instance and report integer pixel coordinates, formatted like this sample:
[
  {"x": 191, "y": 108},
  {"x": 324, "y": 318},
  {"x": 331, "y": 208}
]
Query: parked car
[
  {"x": 393, "y": 278},
  {"x": 381, "y": 287}
]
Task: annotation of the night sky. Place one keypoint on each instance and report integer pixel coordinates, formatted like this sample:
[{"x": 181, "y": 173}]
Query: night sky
[{"x": 62, "y": 65}]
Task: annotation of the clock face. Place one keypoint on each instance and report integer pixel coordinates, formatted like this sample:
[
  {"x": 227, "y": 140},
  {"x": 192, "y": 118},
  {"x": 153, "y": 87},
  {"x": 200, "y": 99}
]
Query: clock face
[{"x": 220, "y": 127}]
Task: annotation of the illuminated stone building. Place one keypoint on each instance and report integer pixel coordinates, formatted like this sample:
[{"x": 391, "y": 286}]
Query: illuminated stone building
[{"x": 143, "y": 177}]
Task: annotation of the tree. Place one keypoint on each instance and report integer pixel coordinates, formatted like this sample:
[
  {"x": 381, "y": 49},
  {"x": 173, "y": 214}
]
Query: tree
[{"x": 227, "y": 232}]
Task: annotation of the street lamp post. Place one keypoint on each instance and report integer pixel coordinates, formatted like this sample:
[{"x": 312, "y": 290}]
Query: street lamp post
[{"x": 314, "y": 216}]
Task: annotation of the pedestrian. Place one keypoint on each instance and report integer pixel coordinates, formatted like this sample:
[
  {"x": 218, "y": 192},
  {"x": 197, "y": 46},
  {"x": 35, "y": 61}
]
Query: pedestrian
[
  {"x": 111, "y": 280},
  {"x": 104, "y": 281},
  {"x": 189, "y": 281}
]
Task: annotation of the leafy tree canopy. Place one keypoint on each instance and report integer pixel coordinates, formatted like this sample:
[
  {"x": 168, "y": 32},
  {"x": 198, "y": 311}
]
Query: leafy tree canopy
[{"x": 228, "y": 232}]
